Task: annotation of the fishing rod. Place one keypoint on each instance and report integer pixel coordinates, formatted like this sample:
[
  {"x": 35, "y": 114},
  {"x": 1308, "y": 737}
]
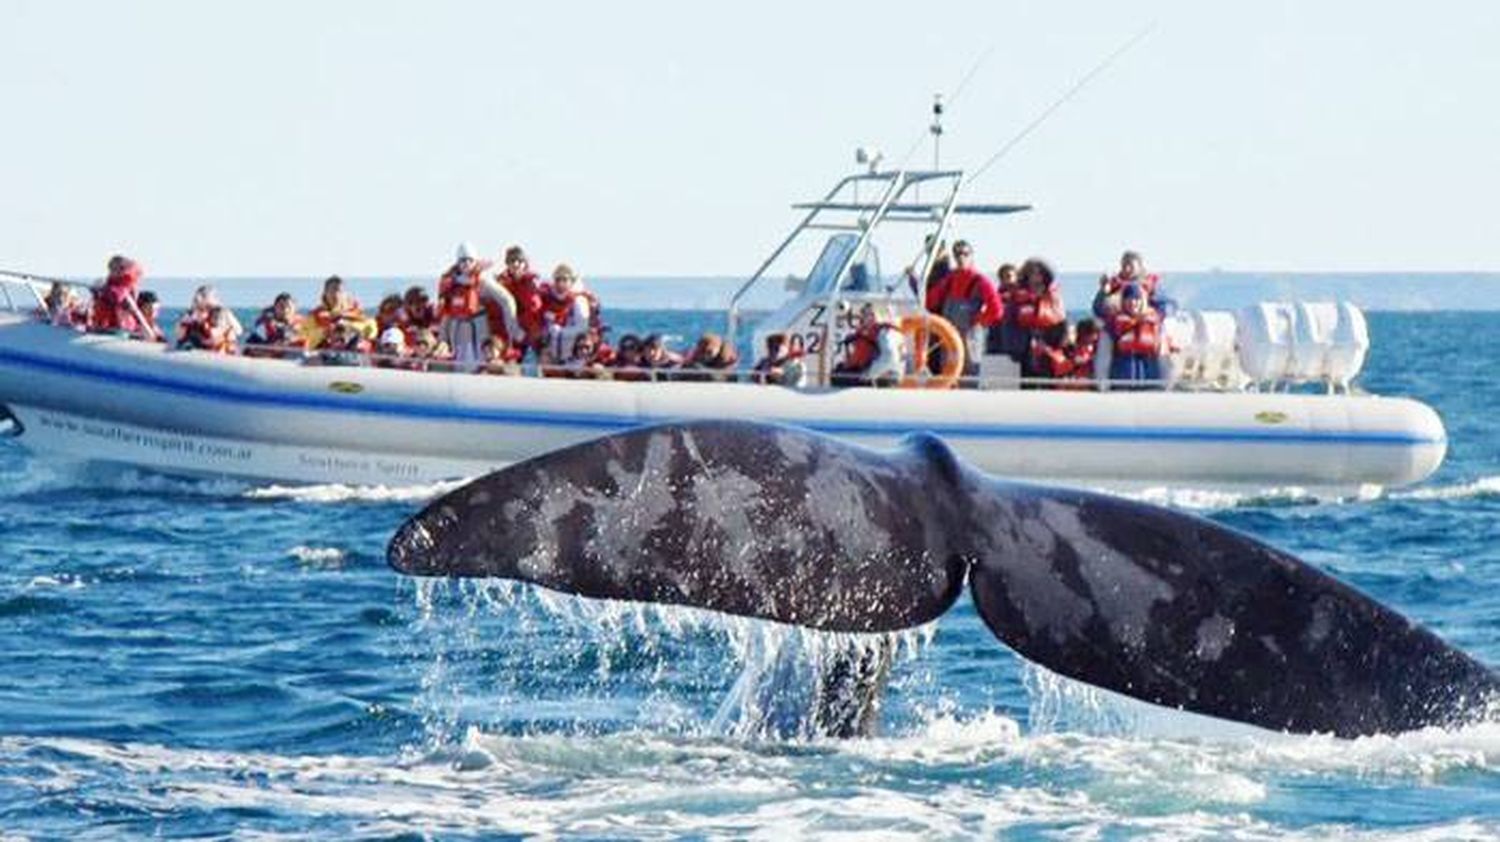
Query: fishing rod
[{"x": 1062, "y": 100}]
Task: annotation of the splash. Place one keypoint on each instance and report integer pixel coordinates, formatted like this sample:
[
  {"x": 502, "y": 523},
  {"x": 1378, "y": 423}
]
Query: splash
[{"x": 336, "y": 493}]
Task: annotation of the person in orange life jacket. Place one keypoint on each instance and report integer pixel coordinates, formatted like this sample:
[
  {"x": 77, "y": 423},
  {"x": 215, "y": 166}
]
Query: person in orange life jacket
[
  {"x": 1007, "y": 338},
  {"x": 208, "y": 325},
  {"x": 463, "y": 321},
  {"x": 345, "y": 344},
  {"x": 1136, "y": 331},
  {"x": 969, "y": 301},
  {"x": 589, "y": 360},
  {"x": 656, "y": 356},
  {"x": 1051, "y": 356},
  {"x": 115, "y": 307},
  {"x": 428, "y": 353},
  {"x": 873, "y": 353},
  {"x": 63, "y": 308},
  {"x": 1037, "y": 307},
  {"x": 526, "y": 292},
  {"x": 1084, "y": 348},
  {"x": 1108, "y": 300},
  {"x": 278, "y": 331},
  {"x": 335, "y": 306},
  {"x": 568, "y": 311}
]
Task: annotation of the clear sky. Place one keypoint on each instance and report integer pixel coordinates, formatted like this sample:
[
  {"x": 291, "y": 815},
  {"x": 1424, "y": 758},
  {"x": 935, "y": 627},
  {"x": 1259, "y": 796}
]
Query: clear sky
[{"x": 302, "y": 138}]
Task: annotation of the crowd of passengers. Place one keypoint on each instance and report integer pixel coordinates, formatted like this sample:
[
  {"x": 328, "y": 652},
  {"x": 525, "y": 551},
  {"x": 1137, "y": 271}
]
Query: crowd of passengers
[
  {"x": 1021, "y": 315},
  {"x": 492, "y": 320}
]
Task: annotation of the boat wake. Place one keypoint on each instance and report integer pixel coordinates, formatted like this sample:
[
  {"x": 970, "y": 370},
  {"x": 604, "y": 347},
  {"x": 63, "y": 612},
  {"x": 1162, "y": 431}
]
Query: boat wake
[{"x": 336, "y": 493}]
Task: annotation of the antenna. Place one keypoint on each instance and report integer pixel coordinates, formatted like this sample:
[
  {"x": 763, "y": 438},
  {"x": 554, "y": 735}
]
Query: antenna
[
  {"x": 938, "y": 106},
  {"x": 1067, "y": 95}
]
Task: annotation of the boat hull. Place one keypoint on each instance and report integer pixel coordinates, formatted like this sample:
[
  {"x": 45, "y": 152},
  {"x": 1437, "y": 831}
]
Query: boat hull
[{"x": 110, "y": 399}]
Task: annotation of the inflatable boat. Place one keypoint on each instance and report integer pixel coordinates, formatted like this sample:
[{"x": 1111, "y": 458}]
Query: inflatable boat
[{"x": 1228, "y": 416}]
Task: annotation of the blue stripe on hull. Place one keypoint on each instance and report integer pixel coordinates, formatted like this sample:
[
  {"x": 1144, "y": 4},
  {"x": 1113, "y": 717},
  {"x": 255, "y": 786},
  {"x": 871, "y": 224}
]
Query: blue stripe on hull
[{"x": 367, "y": 406}]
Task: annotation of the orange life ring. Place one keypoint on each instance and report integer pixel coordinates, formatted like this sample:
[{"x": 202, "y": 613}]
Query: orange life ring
[{"x": 916, "y": 329}]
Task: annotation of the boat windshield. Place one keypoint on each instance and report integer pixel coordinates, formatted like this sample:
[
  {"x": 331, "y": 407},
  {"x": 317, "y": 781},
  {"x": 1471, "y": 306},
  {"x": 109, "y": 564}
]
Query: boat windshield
[{"x": 863, "y": 274}]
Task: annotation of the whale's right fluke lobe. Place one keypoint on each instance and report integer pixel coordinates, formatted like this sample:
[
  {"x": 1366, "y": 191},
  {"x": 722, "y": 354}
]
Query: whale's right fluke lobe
[
  {"x": 1174, "y": 609},
  {"x": 747, "y": 519}
]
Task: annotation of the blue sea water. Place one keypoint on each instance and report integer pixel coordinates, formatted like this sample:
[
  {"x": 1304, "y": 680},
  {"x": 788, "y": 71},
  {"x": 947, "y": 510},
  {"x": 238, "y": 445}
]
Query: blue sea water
[{"x": 212, "y": 658}]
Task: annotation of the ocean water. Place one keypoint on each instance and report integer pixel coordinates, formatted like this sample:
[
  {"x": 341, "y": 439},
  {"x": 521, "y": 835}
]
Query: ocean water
[{"x": 214, "y": 658}]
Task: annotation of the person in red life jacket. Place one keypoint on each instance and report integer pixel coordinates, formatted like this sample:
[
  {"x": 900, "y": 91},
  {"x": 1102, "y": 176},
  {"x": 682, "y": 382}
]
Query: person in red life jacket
[
  {"x": 1136, "y": 331},
  {"x": 525, "y": 290},
  {"x": 464, "y": 322},
  {"x": 115, "y": 307},
  {"x": 1051, "y": 356},
  {"x": 970, "y": 302},
  {"x": 345, "y": 345},
  {"x": 278, "y": 331},
  {"x": 568, "y": 311},
  {"x": 63, "y": 308},
  {"x": 1108, "y": 300},
  {"x": 150, "y": 306},
  {"x": 335, "y": 306},
  {"x": 711, "y": 359},
  {"x": 417, "y": 313},
  {"x": 873, "y": 353},
  {"x": 1082, "y": 349},
  {"x": 1037, "y": 308},
  {"x": 390, "y": 314}
]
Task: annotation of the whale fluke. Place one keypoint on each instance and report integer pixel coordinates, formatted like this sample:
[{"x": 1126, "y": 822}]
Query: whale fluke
[{"x": 786, "y": 525}]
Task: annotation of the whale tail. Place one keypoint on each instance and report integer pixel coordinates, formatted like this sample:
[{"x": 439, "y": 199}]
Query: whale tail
[{"x": 786, "y": 525}]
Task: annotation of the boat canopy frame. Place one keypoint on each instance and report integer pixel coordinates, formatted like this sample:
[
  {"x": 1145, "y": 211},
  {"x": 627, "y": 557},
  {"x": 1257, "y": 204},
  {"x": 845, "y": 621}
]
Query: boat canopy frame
[{"x": 836, "y": 212}]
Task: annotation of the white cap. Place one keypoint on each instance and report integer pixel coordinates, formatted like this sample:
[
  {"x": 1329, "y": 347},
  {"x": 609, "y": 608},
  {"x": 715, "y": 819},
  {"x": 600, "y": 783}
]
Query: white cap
[
  {"x": 466, "y": 250},
  {"x": 393, "y": 336}
]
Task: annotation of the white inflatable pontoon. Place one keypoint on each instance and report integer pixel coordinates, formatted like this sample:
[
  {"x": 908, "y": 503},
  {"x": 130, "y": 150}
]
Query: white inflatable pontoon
[{"x": 113, "y": 399}]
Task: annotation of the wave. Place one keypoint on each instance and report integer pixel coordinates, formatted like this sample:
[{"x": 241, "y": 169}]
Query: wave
[
  {"x": 1484, "y": 488},
  {"x": 336, "y": 493}
]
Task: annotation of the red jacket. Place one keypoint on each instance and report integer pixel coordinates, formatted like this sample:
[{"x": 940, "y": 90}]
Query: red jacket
[{"x": 963, "y": 284}]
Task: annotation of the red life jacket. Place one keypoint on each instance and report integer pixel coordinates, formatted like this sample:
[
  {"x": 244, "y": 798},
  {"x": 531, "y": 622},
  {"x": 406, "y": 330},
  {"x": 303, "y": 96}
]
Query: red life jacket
[
  {"x": 109, "y": 311},
  {"x": 274, "y": 331},
  {"x": 1137, "y": 336},
  {"x": 528, "y": 297},
  {"x": 560, "y": 310},
  {"x": 1039, "y": 312},
  {"x": 1051, "y": 360},
  {"x": 864, "y": 346},
  {"x": 461, "y": 300},
  {"x": 1082, "y": 359},
  {"x": 327, "y": 318}
]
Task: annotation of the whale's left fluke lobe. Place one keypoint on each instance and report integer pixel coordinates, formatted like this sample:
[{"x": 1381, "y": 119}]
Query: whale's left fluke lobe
[{"x": 746, "y": 519}]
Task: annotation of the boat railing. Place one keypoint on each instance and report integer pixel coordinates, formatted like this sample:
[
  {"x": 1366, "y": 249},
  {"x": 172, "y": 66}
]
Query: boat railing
[{"x": 25, "y": 293}]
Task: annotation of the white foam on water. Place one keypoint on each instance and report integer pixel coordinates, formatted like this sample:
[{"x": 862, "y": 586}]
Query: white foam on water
[
  {"x": 316, "y": 556},
  {"x": 336, "y": 493},
  {"x": 1484, "y": 487}
]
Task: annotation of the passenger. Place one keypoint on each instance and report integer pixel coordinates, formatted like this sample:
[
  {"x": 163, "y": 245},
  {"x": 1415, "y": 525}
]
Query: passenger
[
  {"x": 278, "y": 331},
  {"x": 390, "y": 314},
  {"x": 970, "y": 301},
  {"x": 1136, "y": 331},
  {"x": 150, "y": 306},
  {"x": 657, "y": 358},
  {"x": 1051, "y": 355},
  {"x": 1107, "y": 302},
  {"x": 208, "y": 325},
  {"x": 390, "y": 350},
  {"x": 526, "y": 291},
  {"x": 1038, "y": 309},
  {"x": 500, "y": 358},
  {"x": 463, "y": 321},
  {"x": 1085, "y": 348},
  {"x": 627, "y": 359},
  {"x": 568, "y": 310},
  {"x": 1009, "y": 338},
  {"x": 63, "y": 308},
  {"x": 714, "y": 357},
  {"x": 782, "y": 365},
  {"x": 429, "y": 353},
  {"x": 942, "y": 264},
  {"x": 589, "y": 359},
  {"x": 873, "y": 354},
  {"x": 115, "y": 307},
  {"x": 336, "y": 306},
  {"x": 417, "y": 313}
]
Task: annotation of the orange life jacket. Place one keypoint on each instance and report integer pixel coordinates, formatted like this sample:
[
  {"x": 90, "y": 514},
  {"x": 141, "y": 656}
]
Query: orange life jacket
[
  {"x": 864, "y": 346},
  {"x": 461, "y": 300},
  {"x": 1137, "y": 336}
]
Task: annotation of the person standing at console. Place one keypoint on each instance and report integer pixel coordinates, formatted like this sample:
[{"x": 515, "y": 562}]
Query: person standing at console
[{"x": 970, "y": 301}]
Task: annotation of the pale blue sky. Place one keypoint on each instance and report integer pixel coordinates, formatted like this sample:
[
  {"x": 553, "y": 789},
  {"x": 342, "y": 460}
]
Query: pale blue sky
[{"x": 282, "y": 138}]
